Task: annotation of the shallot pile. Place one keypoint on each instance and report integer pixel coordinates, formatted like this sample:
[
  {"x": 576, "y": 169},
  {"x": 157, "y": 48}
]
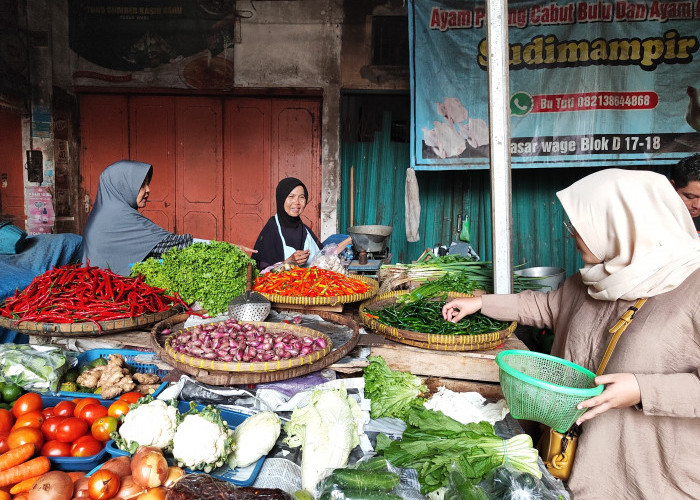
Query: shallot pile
[{"x": 233, "y": 341}]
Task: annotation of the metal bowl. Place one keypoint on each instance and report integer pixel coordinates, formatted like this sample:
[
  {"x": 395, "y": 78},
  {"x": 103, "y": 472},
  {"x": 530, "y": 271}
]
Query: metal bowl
[
  {"x": 370, "y": 238},
  {"x": 549, "y": 278}
]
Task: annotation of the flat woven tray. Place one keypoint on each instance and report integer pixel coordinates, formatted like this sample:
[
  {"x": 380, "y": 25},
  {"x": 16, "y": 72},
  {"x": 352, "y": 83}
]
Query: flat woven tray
[
  {"x": 260, "y": 366},
  {"x": 328, "y": 301},
  {"x": 436, "y": 342},
  {"x": 86, "y": 328},
  {"x": 227, "y": 378}
]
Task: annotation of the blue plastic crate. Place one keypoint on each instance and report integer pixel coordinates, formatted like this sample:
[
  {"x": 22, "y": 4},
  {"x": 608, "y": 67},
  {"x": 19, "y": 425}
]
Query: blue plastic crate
[
  {"x": 74, "y": 463},
  {"x": 240, "y": 476},
  {"x": 129, "y": 358}
]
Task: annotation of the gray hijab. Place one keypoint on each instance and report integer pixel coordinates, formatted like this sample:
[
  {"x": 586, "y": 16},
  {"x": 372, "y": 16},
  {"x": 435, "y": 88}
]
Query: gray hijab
[{"x": 116, "y": 234}]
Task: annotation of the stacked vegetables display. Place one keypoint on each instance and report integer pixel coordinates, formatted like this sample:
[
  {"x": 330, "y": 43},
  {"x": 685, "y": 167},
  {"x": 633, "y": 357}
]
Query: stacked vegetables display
[
  {"x": 77, "y": 293},
  {"x": 426, "y": 317},
  {"x": 309, "y": 282},
  {"x": 478, "y": 272},
  {"x": 233, "y": 341},
  {"x": 209, "y": 273}
]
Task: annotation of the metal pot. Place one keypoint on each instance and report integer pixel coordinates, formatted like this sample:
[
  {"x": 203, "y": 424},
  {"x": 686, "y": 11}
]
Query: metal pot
[
  {"x": 552, "y": 277},
  {"x": 370, "y": 238}
]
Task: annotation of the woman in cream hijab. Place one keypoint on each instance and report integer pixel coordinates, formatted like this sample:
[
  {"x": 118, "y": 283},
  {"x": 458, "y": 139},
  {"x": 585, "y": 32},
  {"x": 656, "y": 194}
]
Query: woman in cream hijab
[{"x": 637, "y": 240}]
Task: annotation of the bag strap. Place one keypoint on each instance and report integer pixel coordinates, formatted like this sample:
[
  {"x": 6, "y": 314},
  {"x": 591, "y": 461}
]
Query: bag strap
[{"x": 617, "y": 330}]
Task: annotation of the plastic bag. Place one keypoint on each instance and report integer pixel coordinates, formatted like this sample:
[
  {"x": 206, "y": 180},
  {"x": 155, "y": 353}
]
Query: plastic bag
[
  {"x": 33, "y": 368},
  {"x": 372, "y": 478},
  {"x": 502, "y": 483},
  {"x": 328, "y": 259}
]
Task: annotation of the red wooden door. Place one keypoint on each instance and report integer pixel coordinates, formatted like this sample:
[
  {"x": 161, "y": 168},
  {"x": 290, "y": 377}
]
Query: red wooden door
[
  {"x": 152, "y": 140},
  {"x": 295, "y": 151},
  {"x": 216, "y": 162},
  {"x": 104, "y": 128},
  {"x": 199, "y": 195},
  {"x": 11, "y": 168},
  {"x": 247, "y": 177}
]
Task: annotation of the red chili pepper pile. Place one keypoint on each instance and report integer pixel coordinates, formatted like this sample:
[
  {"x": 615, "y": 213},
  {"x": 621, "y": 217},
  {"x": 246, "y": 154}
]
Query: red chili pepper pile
[
  {"x": 73, "y": 294},
  {"x": 308, "y": 282}
]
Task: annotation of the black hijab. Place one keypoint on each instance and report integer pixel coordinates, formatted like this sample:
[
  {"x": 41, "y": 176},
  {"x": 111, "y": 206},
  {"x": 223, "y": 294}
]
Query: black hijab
[{"x": 292, "y": 227}]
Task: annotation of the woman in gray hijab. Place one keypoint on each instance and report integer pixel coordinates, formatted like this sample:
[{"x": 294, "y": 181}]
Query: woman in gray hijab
[{"x": 116, "y": 234}]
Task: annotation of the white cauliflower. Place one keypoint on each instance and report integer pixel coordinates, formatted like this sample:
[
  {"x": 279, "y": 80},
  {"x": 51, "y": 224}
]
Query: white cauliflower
[
  {"x": 203, "y": 440},
  {"x": 148, "y": 424}
]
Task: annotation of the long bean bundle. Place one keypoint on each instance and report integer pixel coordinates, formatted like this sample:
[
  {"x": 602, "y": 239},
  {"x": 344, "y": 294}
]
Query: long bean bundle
[
  {"x": 450, "y": 282},
  {"x": 426, "y": 317}
]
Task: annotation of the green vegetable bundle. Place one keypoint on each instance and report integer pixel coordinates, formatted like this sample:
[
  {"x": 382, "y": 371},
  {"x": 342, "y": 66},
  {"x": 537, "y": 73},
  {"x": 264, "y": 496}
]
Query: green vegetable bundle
[
  {"x": 433, "y": 442},
  {"x": 478, "y": 272},
  {"x": 392, "y": 393},
  {"x": 210, "y": 273}
]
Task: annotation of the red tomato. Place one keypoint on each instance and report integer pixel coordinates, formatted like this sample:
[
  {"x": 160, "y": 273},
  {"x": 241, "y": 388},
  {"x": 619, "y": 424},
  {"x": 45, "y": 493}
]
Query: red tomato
[
  {"x": 85, "y": 446},
  {"x": 70, "y": 429},
  {"x": 103, "y": 484},
  {"x": 92, "y": 412},
  {"x": 50, "y": 426},
  {"x": 103, "y": 427},
  {"x": 55, "y": 449},
  {"x": 6, "y": 420},
  {"x": 29, "y": 419},
  {"x": 25, "y": 435},
  {"x": 118, "y": 408},
  {"x": 131, "y": 397},
  {"x": 48, "y": 412},
  {"x": 64, "y": 409},
  {"x": 81, "y": 402},
  {"x": 4, "y": 446},
  {"x": 30, "y": 401}
]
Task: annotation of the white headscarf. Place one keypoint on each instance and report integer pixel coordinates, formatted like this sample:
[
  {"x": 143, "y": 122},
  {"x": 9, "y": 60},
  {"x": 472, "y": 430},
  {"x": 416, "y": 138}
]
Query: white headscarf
[{"x": 635, "y": 222}]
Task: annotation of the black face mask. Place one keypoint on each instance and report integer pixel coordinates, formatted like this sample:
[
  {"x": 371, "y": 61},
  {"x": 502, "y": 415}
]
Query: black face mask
[{"x": 285, "y": 187}]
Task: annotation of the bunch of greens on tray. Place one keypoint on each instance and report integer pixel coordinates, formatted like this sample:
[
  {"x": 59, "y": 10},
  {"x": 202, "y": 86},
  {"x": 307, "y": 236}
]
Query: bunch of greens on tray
[
  {"x": 433, "y": 443},
  {"x": 209, "y": 273},
  {"x": 426, "y": 317}
]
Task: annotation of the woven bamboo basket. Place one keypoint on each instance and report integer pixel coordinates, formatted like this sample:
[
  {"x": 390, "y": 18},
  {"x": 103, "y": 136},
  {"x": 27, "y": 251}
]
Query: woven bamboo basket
[
  {"x": 227, "y": 378},
  {"x": 330, "y": 300},
  {"x": 260, "y": 366},
  {"x": 86, "y": 328},
  {"x": 436, "y": 342}
]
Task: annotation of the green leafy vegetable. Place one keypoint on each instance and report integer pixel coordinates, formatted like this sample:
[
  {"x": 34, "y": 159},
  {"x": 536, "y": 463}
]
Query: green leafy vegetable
[
  {"x": 32, "y": 368},
  {"x": 392, "y": 393},
  {"x": 210, "y": 273},
  {"x": 432, "y": 442}
]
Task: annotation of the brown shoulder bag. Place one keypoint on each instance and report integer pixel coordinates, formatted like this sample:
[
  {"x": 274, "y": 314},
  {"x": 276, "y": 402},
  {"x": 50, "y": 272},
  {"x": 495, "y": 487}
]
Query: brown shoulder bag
[{"x": 556, "y": 449}]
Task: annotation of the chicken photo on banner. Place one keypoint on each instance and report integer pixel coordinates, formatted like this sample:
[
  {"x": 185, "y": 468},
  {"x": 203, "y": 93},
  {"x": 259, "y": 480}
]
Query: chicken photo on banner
[
  {"x": 450, "y": 138},
  {"x": 692, "y": 115}
]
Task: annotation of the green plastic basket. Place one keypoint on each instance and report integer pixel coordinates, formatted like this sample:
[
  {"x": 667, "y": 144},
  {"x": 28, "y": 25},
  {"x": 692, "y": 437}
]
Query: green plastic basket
[{"x": 545, "y": 388}]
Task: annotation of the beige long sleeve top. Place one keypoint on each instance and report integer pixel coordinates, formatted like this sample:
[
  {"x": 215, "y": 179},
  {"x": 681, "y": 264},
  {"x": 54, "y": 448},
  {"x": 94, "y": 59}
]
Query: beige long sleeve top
[{"x": 627, "y": 453}]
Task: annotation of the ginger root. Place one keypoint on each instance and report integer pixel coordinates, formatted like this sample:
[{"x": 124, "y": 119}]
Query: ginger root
[{"x": 115, "y": 378}]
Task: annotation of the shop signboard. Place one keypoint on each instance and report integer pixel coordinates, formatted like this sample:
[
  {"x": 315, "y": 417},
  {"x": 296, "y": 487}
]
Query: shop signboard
[
  {"x": 591, "y": 83},
  {"x": 153, "y": 43}
]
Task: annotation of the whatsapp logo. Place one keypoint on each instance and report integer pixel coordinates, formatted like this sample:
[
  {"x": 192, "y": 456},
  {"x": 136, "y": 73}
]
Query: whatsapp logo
[{"x": 520, "y": 104}]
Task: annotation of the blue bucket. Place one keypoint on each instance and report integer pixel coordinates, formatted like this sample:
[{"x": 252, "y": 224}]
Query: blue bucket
[{"x": 11, "y": 238}]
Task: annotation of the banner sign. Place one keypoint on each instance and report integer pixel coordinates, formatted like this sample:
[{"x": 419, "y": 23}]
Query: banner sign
[
  {"x": 153, "y": 43},
  {"x": 592, "y": 84}
]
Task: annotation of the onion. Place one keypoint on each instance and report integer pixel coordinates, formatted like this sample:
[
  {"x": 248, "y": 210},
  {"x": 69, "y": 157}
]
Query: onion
[
  {"x": 80, "y": 488},
  {"x": 174, "y": 475},
  {"x": 54, "y": 485},
  {"x": 154, "y": 494},
  {"x": 129, "y": 489},
  {"x": 144, "y": 449},
  {"x": 120, "y": 465},
  {"x": 149, "y": 469}
]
